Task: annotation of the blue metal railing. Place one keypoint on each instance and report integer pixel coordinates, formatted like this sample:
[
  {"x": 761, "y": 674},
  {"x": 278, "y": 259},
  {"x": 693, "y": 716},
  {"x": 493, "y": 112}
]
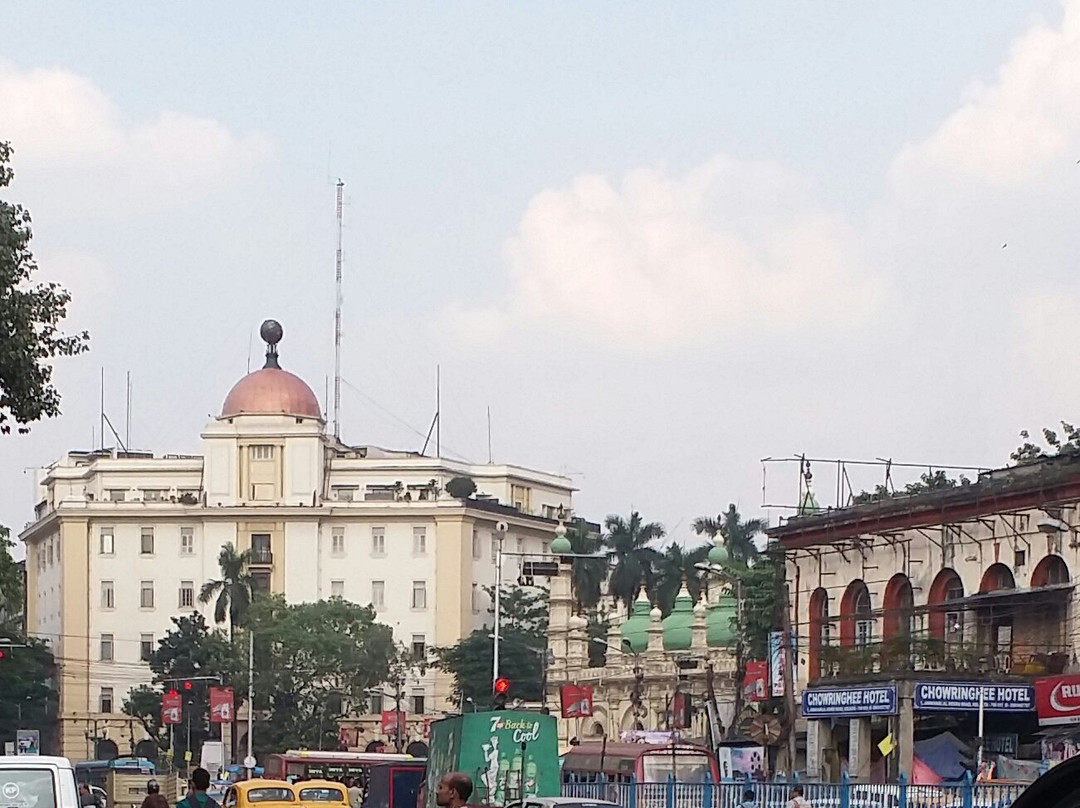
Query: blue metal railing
[{"x": 845, "y": 794}]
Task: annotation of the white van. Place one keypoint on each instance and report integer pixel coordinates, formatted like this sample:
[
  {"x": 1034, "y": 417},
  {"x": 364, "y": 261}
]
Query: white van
[{"x": 33, "y": 781}]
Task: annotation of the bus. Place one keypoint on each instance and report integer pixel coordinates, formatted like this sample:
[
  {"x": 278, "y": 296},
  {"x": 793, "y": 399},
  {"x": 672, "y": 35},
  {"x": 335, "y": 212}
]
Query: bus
[
  {"x": 96, "y": 772},
  {"x": 623, "y": 763},
  {"x": 328, "y": 765}
]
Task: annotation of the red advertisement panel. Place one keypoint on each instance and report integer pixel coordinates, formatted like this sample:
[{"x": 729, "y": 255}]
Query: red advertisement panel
[
  {"x": 172, "y": 708},
  {"x": 1057, "y": 700},
  {"x": 756, "y": 683},
  {"x": 221, "y": 705},
  {"x": 391, "y": 721},
  {"x": 576, "y": 701}
]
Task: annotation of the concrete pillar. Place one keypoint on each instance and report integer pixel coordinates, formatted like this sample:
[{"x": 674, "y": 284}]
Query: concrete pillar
[
  {"x": 818, "y": 739},
  {"x": 905, "y": 728},
  {"x": 859, "y": 749}
]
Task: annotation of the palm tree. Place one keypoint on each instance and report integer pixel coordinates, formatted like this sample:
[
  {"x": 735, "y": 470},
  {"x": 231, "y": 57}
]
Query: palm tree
[
  {"x": 627, "y": 544},
  {"x": 586, "y": 574},
  {"x": 675, "y": 566},
  {"x": 738, "y": 535},
  {"x": 233, "y": 590}
]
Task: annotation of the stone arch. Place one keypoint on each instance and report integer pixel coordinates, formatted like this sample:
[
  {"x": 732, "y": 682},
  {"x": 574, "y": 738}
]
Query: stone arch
[
  {"x": 147, "y": 749},
  {"x": 946, "y": 587},
  {"x": 856, "y": 615},
  {"x": 1051, "y": 570},
  {"x": 898, "y": 606},
  {"x": 996, "y": 578},
  {"x": 106, "y": 749},
  {"x": 630, "y": 721},
  {"x": 819, "y": 628}
]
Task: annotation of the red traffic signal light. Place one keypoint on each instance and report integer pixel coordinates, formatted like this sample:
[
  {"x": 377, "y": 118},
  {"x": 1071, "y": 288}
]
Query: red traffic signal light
[
  {"x": 502, "y": 686},
  {"x": 189, "y": 686},
  {"x": 173, "y": 693},
  {"x": 3, "y": 654}
]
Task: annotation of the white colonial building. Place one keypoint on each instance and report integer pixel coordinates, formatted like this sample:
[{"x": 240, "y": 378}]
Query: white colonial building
[{"x": 123, "y": 541}]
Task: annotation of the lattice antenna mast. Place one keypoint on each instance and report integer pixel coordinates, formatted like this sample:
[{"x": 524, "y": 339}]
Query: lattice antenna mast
[{"x": 337, "y": 312}]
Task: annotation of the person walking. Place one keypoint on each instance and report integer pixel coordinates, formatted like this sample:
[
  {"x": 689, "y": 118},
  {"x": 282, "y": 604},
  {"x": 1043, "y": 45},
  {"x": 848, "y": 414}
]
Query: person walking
[
  {"x": 797, "y": 799},
  {"x": 454, "y": 790},
  {"x": 356, "y": 794},
  {"x": 154, "y": 797},
  {"x": 197, "y": 796}
]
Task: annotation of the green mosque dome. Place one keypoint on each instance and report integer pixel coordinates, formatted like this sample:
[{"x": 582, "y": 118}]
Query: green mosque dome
[
  {"x": 635, "y": 631},
  {"x": 720, "y": 622},
  {"x": 678, "y": 626}
]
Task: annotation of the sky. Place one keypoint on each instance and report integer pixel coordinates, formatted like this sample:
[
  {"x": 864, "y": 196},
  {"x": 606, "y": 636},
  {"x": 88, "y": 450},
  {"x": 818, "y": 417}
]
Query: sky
[{"x": 660, "y": 241}]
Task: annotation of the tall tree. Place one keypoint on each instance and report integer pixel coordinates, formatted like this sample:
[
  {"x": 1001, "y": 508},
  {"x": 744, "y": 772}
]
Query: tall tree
[
  {"x": 522, "y": 651},
  {"x": 313, "y": 660},
  {"x": 738, "y": 535},
  {"x": 11, "y": 587},
  {"x": 673, "y": 567},
  {"x": 191, "y": 649},
  {"x": 231, "y": 592},
  {"x": 586, "y": 574},
  {"x": 30, "y": 319},
  {"x": 628, "y": 546},
  {"x": 761, "y": 586}
]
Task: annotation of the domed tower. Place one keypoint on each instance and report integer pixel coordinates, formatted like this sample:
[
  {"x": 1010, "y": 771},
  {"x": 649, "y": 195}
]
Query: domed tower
[{"x": 266, "y": 446}]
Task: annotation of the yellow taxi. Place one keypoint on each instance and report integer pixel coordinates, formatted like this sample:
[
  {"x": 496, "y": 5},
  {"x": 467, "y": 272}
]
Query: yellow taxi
[
  {"x": 321, "y": 794},
  {"x": 260, "y": 794}
]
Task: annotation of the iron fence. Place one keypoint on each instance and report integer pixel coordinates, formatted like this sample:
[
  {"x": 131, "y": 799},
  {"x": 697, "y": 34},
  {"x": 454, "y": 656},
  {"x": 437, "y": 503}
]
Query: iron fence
[{"x": 845, "y": 794}]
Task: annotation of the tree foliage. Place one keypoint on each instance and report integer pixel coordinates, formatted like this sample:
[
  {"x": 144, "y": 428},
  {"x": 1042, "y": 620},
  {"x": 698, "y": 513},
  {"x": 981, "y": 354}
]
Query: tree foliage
[
  {"x": 30, "y": 321},
  {"x": 190, "y": 649},
  {"x": 232, "y": 592},
  {"x": 11, "y": 587},
  {"x": 675, "y": 566},
  {"x": 461, "y": 487},
  {"x": 928, "y": 481},
  {"x": 522, "y": 648},
  {"x": 629, "y": 547},
  {"x": 313, "y": 660},
  {"x": 586, "y": 574},
  {"x": 1029, "y": 452},
  {"x": 761, "y": 587},
  {"x": 740, "y": 537}
]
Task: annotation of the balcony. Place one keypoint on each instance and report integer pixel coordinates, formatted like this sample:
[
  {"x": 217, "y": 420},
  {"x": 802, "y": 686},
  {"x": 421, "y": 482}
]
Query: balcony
[
  {"x": 261, "y": 557},
  {"x": 932, "y": 654}
]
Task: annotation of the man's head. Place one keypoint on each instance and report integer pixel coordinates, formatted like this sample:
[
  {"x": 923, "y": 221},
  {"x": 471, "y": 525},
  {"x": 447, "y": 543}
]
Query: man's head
[
  {"x": 152, "y": 787},
  {"x": 748, "y": 795},
  {"x": 84, "y": 788},
  {"x": 454, "y": 790},
  {"x": 797, "y": 791},
  {"x": 200, "y": 779}
]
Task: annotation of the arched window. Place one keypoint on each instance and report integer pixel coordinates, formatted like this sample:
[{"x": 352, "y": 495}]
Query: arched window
[
  {"x": 819, "y": 629},
  {"x": 946, "y": 624},
  {"x": 856, "y": 616},
  {"x": 1051, "y": 570},
  {"x": 996, "y": 578},
  {"x": 899, "y": 607}
]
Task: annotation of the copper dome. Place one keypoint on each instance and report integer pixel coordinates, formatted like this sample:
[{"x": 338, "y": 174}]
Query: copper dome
[{"x": 271, "y": 391}]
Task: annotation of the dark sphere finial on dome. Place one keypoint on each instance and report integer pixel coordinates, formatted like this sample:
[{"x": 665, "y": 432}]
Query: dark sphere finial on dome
[{"x": 271, "y": 332}]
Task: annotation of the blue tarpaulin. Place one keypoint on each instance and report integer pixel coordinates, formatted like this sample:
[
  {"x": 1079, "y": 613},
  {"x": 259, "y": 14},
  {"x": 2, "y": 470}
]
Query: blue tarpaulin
[{"x": 945, "y": 754}]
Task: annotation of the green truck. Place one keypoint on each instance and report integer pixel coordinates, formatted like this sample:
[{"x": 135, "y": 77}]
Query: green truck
[{"x": 509, "y": 755}]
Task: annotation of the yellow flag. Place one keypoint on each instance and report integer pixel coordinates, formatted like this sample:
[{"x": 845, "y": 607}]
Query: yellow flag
[{"x": 887, "y": 745}]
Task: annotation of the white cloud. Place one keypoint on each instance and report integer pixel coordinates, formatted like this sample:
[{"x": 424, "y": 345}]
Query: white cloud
[
  {"x": 660, "y": 261},
  {"x": 69, "y": 133},
  {"x": 1008, "y": 131}
]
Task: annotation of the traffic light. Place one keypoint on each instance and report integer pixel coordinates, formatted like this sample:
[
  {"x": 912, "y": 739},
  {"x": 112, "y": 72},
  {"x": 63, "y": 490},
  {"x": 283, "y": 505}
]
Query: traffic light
[
  {"x": 173, "y": 693},
  {"x": 502, "y": 688},
  {"x": 187, "y": 686},
  {"x": 3, "y": 654}
]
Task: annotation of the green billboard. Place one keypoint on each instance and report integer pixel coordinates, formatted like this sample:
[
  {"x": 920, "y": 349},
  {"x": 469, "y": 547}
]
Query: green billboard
[{"x": 509, "y": 755}]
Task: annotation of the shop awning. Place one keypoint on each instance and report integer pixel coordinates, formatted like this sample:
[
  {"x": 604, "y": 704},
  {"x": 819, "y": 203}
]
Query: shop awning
[{"x": 1002, "y": 597}]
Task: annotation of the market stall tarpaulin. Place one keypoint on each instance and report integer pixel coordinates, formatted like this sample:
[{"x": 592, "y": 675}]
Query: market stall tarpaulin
[{"x": 1057, "y": 700}]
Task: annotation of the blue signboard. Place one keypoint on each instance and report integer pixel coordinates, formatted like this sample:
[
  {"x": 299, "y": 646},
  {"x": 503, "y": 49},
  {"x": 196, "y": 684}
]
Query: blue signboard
[
  {"x": 942, "y": 696},
  {"x": 840, "y": 702}
]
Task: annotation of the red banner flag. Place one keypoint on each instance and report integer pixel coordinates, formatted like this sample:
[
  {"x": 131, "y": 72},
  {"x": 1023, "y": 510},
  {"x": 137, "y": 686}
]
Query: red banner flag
[
  {"x": 172, "y": 706},
  {"x": 221, "y": 705},
  {"x": 391, "y": 721},
  {"x": 576, "y": 701},
  {"x": 755, "y": 685}
]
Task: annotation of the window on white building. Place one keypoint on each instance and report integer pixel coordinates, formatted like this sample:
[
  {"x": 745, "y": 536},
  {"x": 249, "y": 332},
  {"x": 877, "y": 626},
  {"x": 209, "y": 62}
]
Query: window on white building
[
  {"x": 378, "y": 541},
  {"x": 418, "y": 703},
  {"x": 49, "y": 554},
  {"x": 475, "y": 544},
  {"x": 345, "y": 494},
  {"x": 260, "y": 549},
  {"x": 262, "y": 452},
  {"x": 494, "y": 549},
  {"x": 337, "y": 589},
  {"x": 106, "y": 654},
  {"x": 117, "y": 494},
  {"x": 187, "y": 595},
  {"x": 375, "y": 703},
  {"x": 106, "y": 541},
  {"x": 187, "y": 541},
  {"x": 337, "y": 541},
  {"x": 146, "y": 595},
  {"x": 378, "y": 594},
  {"x": 146, "y": 646},
  {"x": 520, "y": 545},
  {"x": 419, "y": 540},
  {"x": 520, "y": 497},
  {"x": 419, "y": 594},
  {"x": 146, "y": 541},
  {"x": 108, "y": 595},
  {"x": 419, "y": 646},
  {"x": 105, "y": 700},
  {"x": 154, "y": 495}
]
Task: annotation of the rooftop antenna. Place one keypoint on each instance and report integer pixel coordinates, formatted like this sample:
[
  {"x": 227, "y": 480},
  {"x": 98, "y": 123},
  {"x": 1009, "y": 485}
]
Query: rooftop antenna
[
  {"x": 337, "y": 313},
  {"x": 489, "y": 433},
  {"x": 127, "y": 418},
  {"x": 101, "y": 410},
  {"x": 438, "y": 411}
]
